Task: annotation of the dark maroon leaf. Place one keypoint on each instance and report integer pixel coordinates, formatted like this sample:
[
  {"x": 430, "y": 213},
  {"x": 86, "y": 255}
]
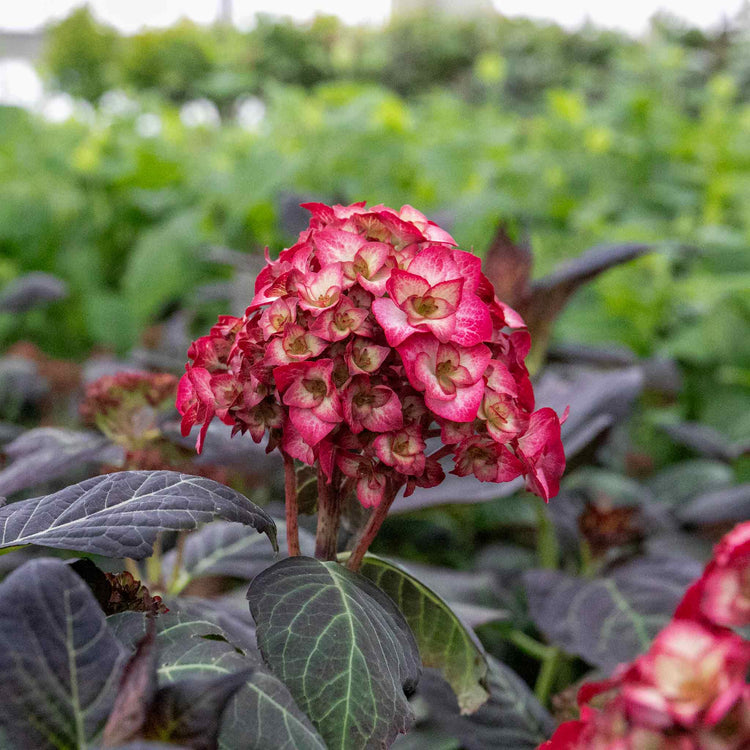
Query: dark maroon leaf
[
  {"x": 508, "y": 266},
  {"x": 135, "y": 693}
]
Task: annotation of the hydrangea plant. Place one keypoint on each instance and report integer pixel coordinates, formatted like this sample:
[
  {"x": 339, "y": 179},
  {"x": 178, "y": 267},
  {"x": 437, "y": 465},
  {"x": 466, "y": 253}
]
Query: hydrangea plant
[{"x": 371, "y": 337}]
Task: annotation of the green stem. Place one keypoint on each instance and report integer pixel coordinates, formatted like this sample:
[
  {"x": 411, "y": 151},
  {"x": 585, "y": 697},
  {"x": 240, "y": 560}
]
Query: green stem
[
  {"x": 172, "y": 587},
  {"x": 547, "y": 673},
  {"x": 547, "y": 548},
  {"x": 153, "y": 566},
  {"x": 529, "y": 645}
]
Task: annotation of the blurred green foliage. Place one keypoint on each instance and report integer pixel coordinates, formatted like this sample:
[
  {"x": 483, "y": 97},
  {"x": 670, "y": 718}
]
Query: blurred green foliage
[{"x": 573, "y": 138}]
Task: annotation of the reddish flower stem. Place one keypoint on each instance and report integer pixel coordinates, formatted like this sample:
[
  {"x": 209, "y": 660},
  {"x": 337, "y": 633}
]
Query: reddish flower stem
[
  {"x": 370, "y": 531},
  {"x": 329, "y": 515},
  {"x": 290, "y": 491}
]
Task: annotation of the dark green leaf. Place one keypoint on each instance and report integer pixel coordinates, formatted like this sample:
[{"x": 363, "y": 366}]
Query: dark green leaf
[
  {"x": 59, "y": 662},
  {"x": 261, "y": 715},
  {"x": 444, "y": 641},
  {"x": 341, "y": 646},
  {"x": 120, "y": 514}
]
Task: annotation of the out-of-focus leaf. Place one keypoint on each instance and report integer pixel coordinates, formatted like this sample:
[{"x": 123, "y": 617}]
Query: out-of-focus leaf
[
  {"x": 613, "y": 618},
  {"x": 189, "y": 711},
  {"x": 229, "y": 549},
  {"x": 32, "y": 290},
  {"x": 121, "y": 514},
  {"x": 444, "y": 641},
  {"x": 59, "y": 662},
  {"x": 342, "y": 648},
  {"x": 223, "y": 450},
  {"x": 706, "y": 441},
  {"x": 597, "y": 400},
  {"x": 135, "y": 693},
  {"x": 162, "y": 266},
  {"x": 21, "y": 385},
  {"x": 46, "y": 453},
  {"x": 728, "y": 505},
  {"x": 679, "y": 482},
  {"x": 512, "y": 718},
  {"x": 261, "y": 715},
  {"x": 507, "y": 265}
]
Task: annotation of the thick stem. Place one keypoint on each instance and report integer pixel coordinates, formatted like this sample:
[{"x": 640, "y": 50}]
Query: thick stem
[
  {"x": 370, "y": 531},
  {"x": 329, "y": 516},
  {"x": 290, "y": 492}
]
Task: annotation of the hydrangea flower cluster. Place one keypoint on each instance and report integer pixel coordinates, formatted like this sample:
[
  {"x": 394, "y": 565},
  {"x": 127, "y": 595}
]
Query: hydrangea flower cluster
[
  {"x": 371, "y": 334},
  {"x": 689, "y": 691}
]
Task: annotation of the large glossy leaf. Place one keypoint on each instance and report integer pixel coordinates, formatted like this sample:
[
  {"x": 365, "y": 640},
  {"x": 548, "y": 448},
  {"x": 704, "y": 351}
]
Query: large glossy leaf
[
  {"x": 120, "y": 514},
  {"x": 59, "y": 662},
  {"x": 512, "y": 718},
  {"x": 444, "y": 641},
  {"x": 613, "y": 618},
  {"x": 261, "y": 715},
  {"x": 227, "y": 549},
  {"x": 341, "y": 646}
]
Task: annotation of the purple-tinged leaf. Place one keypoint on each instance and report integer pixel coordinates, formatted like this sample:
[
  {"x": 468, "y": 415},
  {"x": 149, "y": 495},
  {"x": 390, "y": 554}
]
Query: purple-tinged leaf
[
  {"x": 261, "y": 715},
  {"x": 512, "y": 718},
  {"x": 597, "y": 400},
  {"x": 135, "y": 694},
  {"x": 59, "y": 662},
  {"x": 32, "y": 290},
  {"x": 706, "y": 441},
  {"x": 729, "y": 505},
  {"x": 121, "y": 514},
  {"x": 613, "y": 618},
  {"x": 342, "y": 648},
  {"x": 226, "y": 549},
  {"x": 45, "y": 454},
  {"x": 189, "y": 711}
]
